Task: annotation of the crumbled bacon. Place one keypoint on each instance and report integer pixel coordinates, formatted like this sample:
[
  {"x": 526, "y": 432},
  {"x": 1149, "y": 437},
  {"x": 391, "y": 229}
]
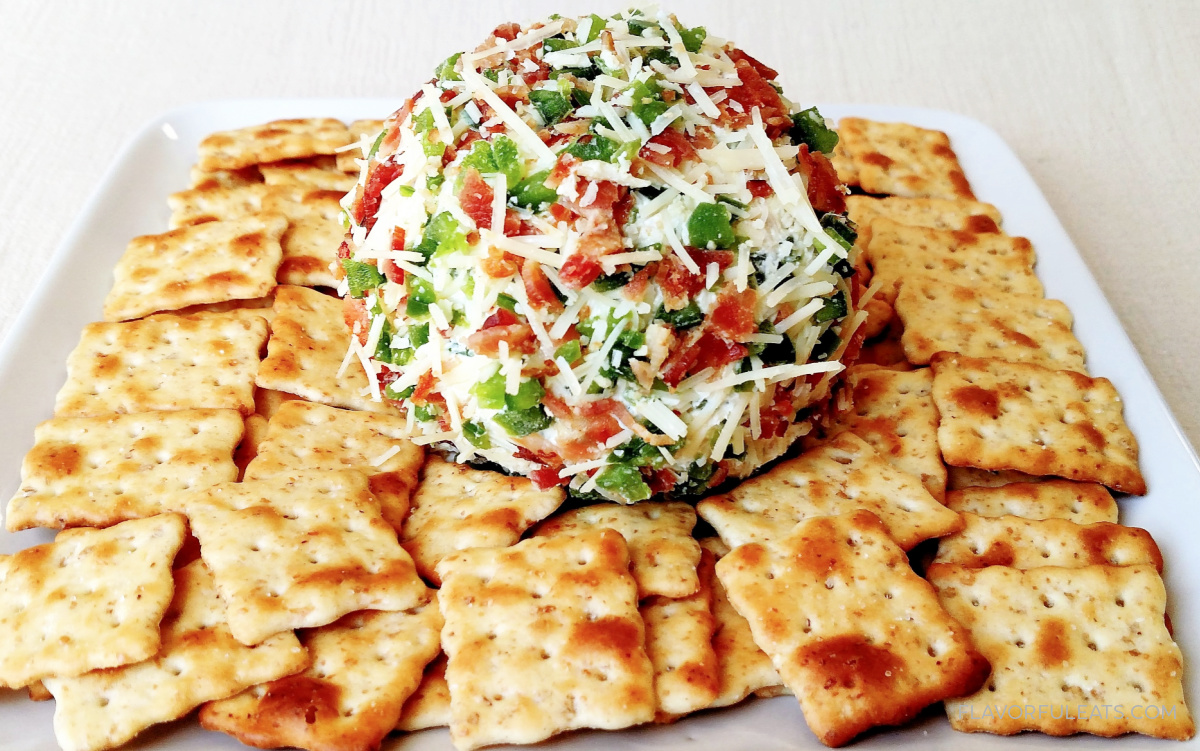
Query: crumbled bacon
[
  {"x": 579, "y": 271},
  {"x": 679, "y": 284},
  {"x": 476, "y": 197},
  {"x": 701, "y": 350},
  {"x": 824, "y": 187},
  {"x": 679, "y": 150},
  {"x": 392, "y": 272},
  {"x": 754, "y": 91},
  {"x": 499, "y": 264},
  {"x": 519, "y": 336},
  {"x": 355, "y": 312},
  {"x": 768, "y": 73},
  {"x": 537, "y": 288},
  {"x": 732, "y": 318},
  {"x": 759, "y": 188},
  {"x": 366, "y": 209}
]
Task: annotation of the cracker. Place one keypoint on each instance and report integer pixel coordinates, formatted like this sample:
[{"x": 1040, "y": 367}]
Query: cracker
[
  {"x": 307, "y": 436},
  {"x": 937, "y": 213},
  {"x": 893, "y": 411},
  {"x": 310, "y": 246},
  {"x": 212, "y": 203},
  {"x": 207, "y": 263},
  {"x": 319, "y": 172},
  {"x": 268, "y": 401},
  {"x": 93, "y": 599},
  {"x": 199, "y": 661},
  {"x": 903, "y": 160},
  {"x": 363, "y": 669},
  {"x": 308, "y": 342},
  {"x": 859, "y": 638},
  {"x": 844, "y": 475},
  {"x": 898, "y": 252},
  {"x": 1004, "y": 415},
  {"x": 843, "y": 164},
  {"x": 1080, "y": 502},
  {"x": 679, "y": 636},
  {"x": 272, "y": 142},
  {"x": 429, "y": 705},
  {"x": 360, "y": 130},
  {"x": 1064, "y": 644},
  {"x": 742, "y": 668},
  {"x": 257, "y": 306},
  {"x": 221, "y": 178},
  {"x": 1029, "y": 543},
  {"x": 300, "y": 550},
  {"x": 663, "y": 554},
  {"x": 247, "y": 451},
  {"x": 543, "y": 637},
  {"x": 979, "y": 322},
  {"x": 958, "y": 478},
  {"x": 164, "y": 362},
  {"x": 457, "y": 507},
  {"x": 879, "y": 317},
  {"x": 97, "y": 471}
]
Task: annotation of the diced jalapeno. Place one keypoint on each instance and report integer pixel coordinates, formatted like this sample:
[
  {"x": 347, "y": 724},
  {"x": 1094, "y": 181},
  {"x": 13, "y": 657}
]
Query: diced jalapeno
[
  {"x": 623, "y": 481},
  {"x": 693, "y": 39},
  {"x": 508, "y": 159},
  {"x": 477, "y": 435},
  {"x": 420, "y": 295},
  {"x": 647, "y": 101},
  {"x": 532, "y": 192},
  {"x": 710, "y": 227},
  {"x": 612, "y": 281},
  {"x": 419, "y": 335},
  {"x": 826, "y": 346},
  {"x": 383, "y": 349},
  {"x": 840, "y": 229},
  {"x": 684, "y": 318},
  {"x": 524, "y": 422},
  {"x": 556, "y": 44},
  {"x": 835, "y": 307},
  {"x": 375, "y": 146},
  {"x": 398, "y": 395},
  {"x": 809, "y": 127},
  {"x": 507, "y": 302},
  {"x": 529, "y": 394},
  {"x": 631, "y": 339},
  {"x": 445, "y": 71},
  {"x": 433, "y": 182},
  {"x": 599, "y": 148},
  {"x": 598, "y": 25},
  {"x": 551, "y": 105},
  {"x": 361, "y": 277},
  {"x": 571, "y": 351},
  {"x": 426, "y": 412},
  {"x": 490, "y": 392}
]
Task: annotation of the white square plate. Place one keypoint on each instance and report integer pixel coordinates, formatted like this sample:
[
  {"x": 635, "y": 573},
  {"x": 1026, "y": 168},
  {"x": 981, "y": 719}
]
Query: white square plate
[{"x": 131, "y": 200}]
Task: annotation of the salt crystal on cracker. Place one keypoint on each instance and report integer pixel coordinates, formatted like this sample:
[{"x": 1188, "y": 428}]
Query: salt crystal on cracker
[
  {"x": 543, "y": 637},
  {"x": 842, "y": 476},
  {"x": 1080, "y": 502},
  {"x": 308, "y": 436},
  {"x": 1064, "y": 642},
  {"x": 662, "y": 552},
  {"x": 92, "y": 599},
  {"x": 979, "y": 322},
  {"x": 364, "y": 667},
  {"x": 97, "y": 471},
  {"x": 164, "y": 362},
  {"x": 457, "y": 507},
  {"x": 271, "y": 142},
  {"x": 300, "y": 550},
  {"x": 1004, "y": 415},
  {"x": 207, "y": 263},
  {"x": 859, "y": 637},
  {"x": 902, "y": 159},
  {"x": 199, "y": 661},
  {"x": 1029, "y": 543}
]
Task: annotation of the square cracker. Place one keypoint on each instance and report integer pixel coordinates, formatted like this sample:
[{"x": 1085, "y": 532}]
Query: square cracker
[
  {"x": 257, "y": 306},
  {"x": 271, "y": 142},
  {"x": 893, "y": 411},
  {"x": 221, "y": 178},
  {"x": 742, "y": 668},
  {"x": 308, "y": 436},
  {"x": 97, "y": 471},
  {"x": 300, "y": 550},
  {"x": 679, "y": 636},
  {"x": 958, "y": 478},
  {"x": 663, "y": 555},
  {"x": 268, "y": 401},
  {"x": 199, "y": 661},
  {"x": 937, "y": 213},
  {"x": 315, "y": 172},
  {"x": 980, "y": 322},
  {"x": 90, "y": 600},
  {"x": 903, "y": 160},
  {"x": 309, "y": 340},
  {"x": 207, "y": 263},
  {"x": 543, "y": 637},
  {"x": 1067, "y": 641},
  {"x": 221, "y": 202},
  {"x": 457, "y": 507},
  {"x": 843, "y": 475},
  {"x": 310, "y": 245},
  {"x": 859, "y": 637},
  {"x": 364, "y": 667},
  {"x": 429, "y": 705},
  {"x": 1005, "y": 415},
  {"x": 1030, "y": 543},
  {"x": 360, "y": 131},
  {"x": 1080, "y": 502},
  {"x": 164, "y": 362},
  {"x": 898, "y": 252}
]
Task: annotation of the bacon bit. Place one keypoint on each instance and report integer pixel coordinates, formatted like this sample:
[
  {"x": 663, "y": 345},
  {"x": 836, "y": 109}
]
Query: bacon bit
[
  {"x": 562, "y": 167},
  {"x": 366, "y": 210},
  {"x": 824, "y": 187},
  {"x": 680, "y": 149},
  {"x": 547, "y": 477},
  {"x": 723, "y": 258},
  {"x": 355, "y": 311},
  {"x": 733, "y": 316},
  {"x": 499, "y": 264},
  {"x": 475, "y": 197},
  {"x": 775, "y": 416},
  {"x": 514, "y": 226},
  {"x": 622, "y": 209},
  {"x": 560, "y": 213},
  {"x": 754, "y": 91},
  {"x": 579, "y": 271},
  {"x": 392, "y": 272},
  {"x": 507, "y": 31},
  {"x": 768, "y": 73},
  {"x": 701, "y": 350},
  {"x": 636, "y": 287},
  {"x": 703, "y": 138},
  {"x": 392, "y": 139},
  {"x": 760, "y": 188},
  {"x": 662, "y": 480},
  {"x": 398, "y": 238},
  {"x": 715, "y": 352},
  {"x": 343, "y": 250},
  {"x": 719, "y": 476},
  {"x": 678, "y": 283},
  {"x": 520, "y": 338},
  {"x": 537, "y": 288},
  {"x": 513, "y": 93},
  {"x": 424, "y": 389},
  {"x": 500, "y": 317}
]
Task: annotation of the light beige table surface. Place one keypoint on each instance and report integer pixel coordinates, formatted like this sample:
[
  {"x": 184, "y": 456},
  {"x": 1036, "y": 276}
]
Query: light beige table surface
[{"x": 1101, "y": 100}]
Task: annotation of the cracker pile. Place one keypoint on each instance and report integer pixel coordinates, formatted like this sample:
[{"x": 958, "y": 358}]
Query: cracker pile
[{"x": 247, "y": 531}]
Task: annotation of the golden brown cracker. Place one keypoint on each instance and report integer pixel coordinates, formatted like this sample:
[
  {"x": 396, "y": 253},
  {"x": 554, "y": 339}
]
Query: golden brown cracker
[
  {"x": 1080, "y": 502},
  {"x": 1030, "y": 543},
  {"x": 936, "y": 213},
  {"x": 429, "y": 705},
  {"x": 903, "y": 160},
  {"x": 272, "y": 142}
]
